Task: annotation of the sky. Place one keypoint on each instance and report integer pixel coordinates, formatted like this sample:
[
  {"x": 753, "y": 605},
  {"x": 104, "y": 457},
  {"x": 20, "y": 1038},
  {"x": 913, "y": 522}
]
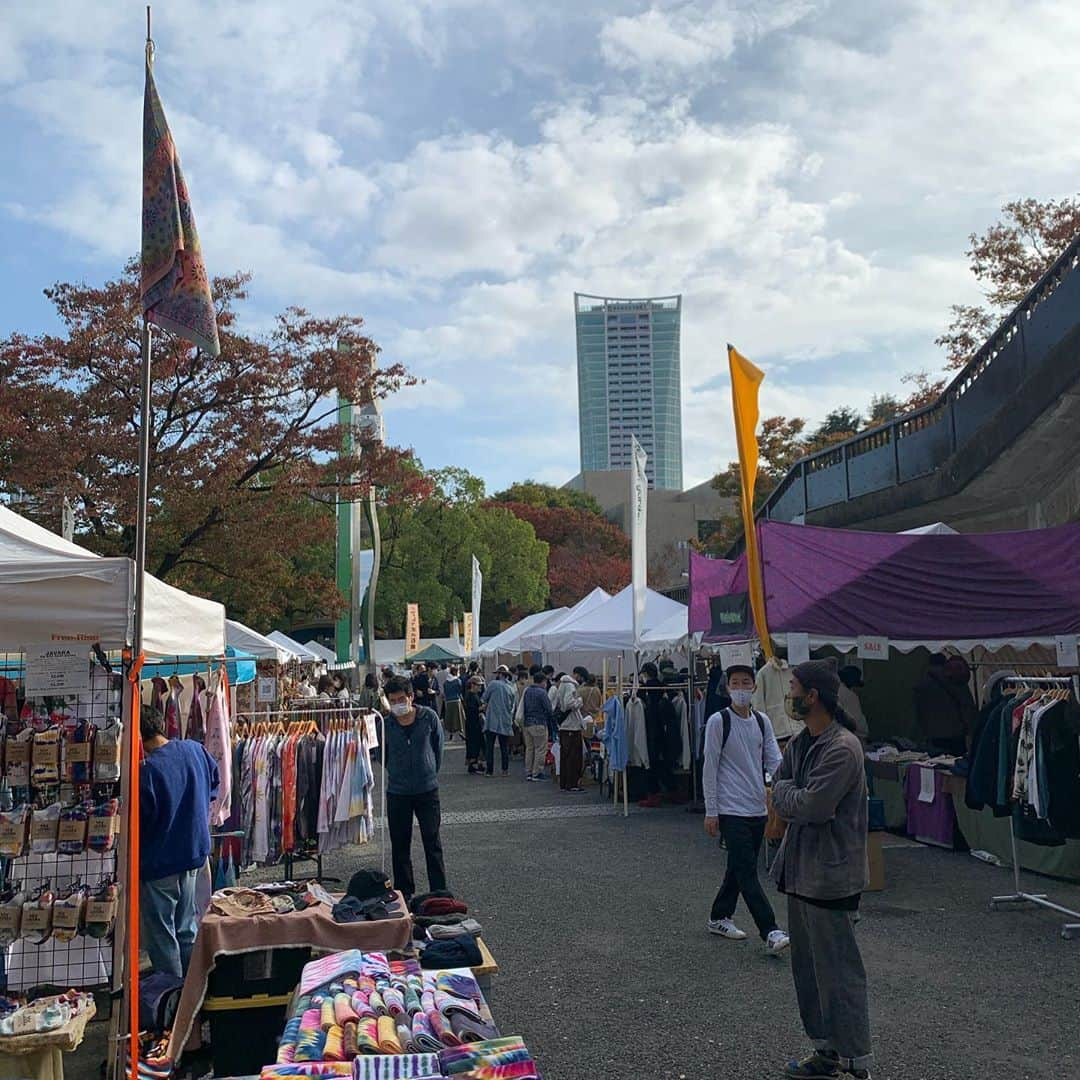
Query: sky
[{"x": 804, "y": 172}]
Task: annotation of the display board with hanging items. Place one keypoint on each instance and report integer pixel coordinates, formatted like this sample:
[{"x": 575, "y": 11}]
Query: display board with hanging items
[{"x": 59, "y": 830}]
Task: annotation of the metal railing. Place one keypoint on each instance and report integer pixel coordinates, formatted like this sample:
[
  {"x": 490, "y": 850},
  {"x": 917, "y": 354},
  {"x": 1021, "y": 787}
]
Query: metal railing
[{"x": 918, "y": 443}]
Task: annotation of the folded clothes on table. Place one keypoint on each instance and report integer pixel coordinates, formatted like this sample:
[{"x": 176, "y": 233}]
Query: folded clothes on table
[
  {"x": 396, "y": 1067},
  {"x": 461, "y": 986},
  {"x": 388, "y": 1038},
  {"x": 497, "y": 1052},
  {"x": 449, "y": 1005},
  {"x": 443, "y": 932},
  {"x": 472, "y": 1031},
  {"x": 315, "y": 1068}
]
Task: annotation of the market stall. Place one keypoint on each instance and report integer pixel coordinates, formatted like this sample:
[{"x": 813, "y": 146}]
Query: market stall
[
  {"x": 878, "y": 594},
  {"x": 68, "y": 617}
]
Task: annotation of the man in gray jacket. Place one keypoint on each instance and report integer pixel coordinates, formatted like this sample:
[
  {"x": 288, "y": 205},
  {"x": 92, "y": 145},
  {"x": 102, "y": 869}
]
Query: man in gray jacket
[{"x": 820, "y": 791}]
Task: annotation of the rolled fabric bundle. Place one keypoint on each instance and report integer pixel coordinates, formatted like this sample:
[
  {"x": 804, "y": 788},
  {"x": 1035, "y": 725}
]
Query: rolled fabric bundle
[
  {"x": 450, "y": 1006},
  {"x": 367, "y": 1036},
  {"x": 412, "y": 1001},
  {"x": 394, "y": 1000},
  {"x": 334, "y": 1047},
  {"x": 404, "y": 1031},
  {"x": 302, "y": 1004},
  {"x": 361, "y": 1007},
  {"x": 427, "y": 1001},
  {"x": 326, "y": 1014},
  {"x": 375, "y": 1001},
  {"x": 365, "y": 984},
  {"x": 315, "y": 1068},
  {"x": 442, "y": 1030},
  {"x": 309, "y": 1047},
  {"x": 309, "y": 1020},
  {"x": 348, "y": 1041},
  {"x": 388, "y": 1038},
  {"x": 287, "y": 1048},
  {"x": 423, "y": 1038},
  {"x": 470, "y": 1031},
  {"x": 343, "y": 1010}
]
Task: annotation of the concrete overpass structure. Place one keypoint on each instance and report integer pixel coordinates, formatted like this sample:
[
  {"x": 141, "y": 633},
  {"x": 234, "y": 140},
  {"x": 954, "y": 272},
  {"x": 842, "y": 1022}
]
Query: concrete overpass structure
[{"x": 1000, "y": 449}]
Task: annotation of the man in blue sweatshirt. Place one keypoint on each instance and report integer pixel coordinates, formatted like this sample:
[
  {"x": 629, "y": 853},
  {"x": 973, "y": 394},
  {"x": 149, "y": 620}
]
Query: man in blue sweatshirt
[
  {"x": 414, "y": 748},
  {"x": 177, "y": 782}
]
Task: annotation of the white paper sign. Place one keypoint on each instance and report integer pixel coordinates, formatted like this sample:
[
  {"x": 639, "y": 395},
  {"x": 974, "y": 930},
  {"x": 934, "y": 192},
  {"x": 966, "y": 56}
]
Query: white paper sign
[
  {"x": 56, "y": 669},
  {"x": 873, "y": 648},
  {"x": 798, "y": 648},
  {"x": 737, "y": 654},
  {"x": 267, "y": 688},
  {"x": 1067, "y": 650}
]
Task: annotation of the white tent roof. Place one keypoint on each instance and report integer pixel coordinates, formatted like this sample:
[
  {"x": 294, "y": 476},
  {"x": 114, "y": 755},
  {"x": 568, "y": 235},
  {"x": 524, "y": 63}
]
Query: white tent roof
[
  {"x": 508, "y": 640},
  {"x": 53, "y": 590},
  {"x": 322, "y": 652},
  {"x": 672, "y": 633},
  {"x": 301, "y": 652},
  {"x": 244, "y": 639},
  {"x": 610, "y": 626},
  {"x": 539, "y": 638}
]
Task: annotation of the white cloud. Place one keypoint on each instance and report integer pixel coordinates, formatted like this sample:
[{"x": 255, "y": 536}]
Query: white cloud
[{"x": 678, "y": 39}]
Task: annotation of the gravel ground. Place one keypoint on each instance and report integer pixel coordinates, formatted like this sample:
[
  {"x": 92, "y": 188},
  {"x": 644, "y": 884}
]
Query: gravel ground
[{"x": 597, "y": 923}]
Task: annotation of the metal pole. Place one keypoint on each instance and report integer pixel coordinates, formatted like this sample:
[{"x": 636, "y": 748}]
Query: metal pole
[{"x": 145, "y": 421}]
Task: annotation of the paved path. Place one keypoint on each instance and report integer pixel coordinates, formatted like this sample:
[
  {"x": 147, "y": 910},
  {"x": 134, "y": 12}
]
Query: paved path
[{"x": 598, "y": 924}]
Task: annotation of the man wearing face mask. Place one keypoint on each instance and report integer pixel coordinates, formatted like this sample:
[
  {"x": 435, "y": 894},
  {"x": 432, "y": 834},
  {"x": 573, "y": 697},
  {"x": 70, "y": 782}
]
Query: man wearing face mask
[
  {"x": 414, "y": 748},
  {"x": 740, "y": 748},
  {"x": 820, "y": 791}
]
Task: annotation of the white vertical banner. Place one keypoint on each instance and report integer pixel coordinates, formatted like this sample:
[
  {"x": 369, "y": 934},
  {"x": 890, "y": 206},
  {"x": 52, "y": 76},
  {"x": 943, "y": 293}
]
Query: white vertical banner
[
  {"x": 455, "y": 631},
  {"x": 477, "y": 594},
  {"x": 639, "y": 560}
]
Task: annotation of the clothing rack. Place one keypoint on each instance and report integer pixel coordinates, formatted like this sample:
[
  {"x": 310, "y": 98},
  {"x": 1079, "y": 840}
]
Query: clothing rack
[{"x": 1068, "y": 930}]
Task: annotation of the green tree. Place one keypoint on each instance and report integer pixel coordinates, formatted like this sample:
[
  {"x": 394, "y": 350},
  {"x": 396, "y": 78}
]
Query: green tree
[
  {"x": 883, "y": 408},
  {"x": 840, "y": 422},
  {"x": 533, "y": 493},
  {"x": 428, "y": 543}
]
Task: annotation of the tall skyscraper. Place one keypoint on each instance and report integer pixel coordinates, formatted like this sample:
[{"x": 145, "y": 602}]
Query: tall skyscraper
[{"x": 628, "y": 384}]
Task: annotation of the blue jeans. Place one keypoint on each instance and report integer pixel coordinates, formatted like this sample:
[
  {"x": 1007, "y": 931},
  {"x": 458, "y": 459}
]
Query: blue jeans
[{"x": 168, "y": 921}]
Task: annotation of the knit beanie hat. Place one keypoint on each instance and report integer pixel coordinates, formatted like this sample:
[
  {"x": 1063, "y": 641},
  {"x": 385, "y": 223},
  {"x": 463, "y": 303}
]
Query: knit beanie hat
[{"x": 819, "y": 675}]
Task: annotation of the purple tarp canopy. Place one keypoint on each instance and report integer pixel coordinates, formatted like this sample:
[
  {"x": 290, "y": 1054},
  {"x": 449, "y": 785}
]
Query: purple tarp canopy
[{"x": 837, "y": 582}]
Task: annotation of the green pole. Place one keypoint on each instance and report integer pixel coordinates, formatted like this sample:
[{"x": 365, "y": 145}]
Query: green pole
[{"x": 343, "y": 635}]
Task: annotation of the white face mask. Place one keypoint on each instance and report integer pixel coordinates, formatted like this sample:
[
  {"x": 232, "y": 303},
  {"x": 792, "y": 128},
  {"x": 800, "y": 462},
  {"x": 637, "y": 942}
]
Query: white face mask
[
  {"x": 401, "y": 708},
  {"x": 742, "y": 698}
]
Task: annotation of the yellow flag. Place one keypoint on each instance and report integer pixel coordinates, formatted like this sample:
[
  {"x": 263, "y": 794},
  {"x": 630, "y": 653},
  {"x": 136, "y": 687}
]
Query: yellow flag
[{"x": 745, "y": 380}]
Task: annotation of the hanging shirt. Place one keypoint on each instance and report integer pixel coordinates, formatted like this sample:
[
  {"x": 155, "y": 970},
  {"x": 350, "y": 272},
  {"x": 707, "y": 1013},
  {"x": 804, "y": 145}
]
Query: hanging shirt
[{"x": 219, "y": 747}]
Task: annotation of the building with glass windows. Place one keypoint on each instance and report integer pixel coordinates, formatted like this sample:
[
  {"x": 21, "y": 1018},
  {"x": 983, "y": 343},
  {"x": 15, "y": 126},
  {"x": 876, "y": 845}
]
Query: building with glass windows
[{"x": 629, "y": 384}]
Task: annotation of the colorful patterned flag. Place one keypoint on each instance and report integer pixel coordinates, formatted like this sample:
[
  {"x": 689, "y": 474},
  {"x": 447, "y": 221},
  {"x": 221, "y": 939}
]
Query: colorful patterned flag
[{"x": 175, "y": 288}]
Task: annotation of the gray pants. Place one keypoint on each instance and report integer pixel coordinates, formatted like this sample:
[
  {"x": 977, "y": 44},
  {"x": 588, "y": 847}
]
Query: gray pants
[{"x": 830, "y": 981}]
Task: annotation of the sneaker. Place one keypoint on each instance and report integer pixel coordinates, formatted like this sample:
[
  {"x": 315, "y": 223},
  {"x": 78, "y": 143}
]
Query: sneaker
[
  {"x": 726, "y": 928},
  {"x": 776, "y": 942},
  {"x": 820, "y": 1065},
  {"x": 575, "y": 790},
  {"x": 540, "y": 776},
  {"x": 530, "y": 777},
  {"x": 859, "y": 1074}
]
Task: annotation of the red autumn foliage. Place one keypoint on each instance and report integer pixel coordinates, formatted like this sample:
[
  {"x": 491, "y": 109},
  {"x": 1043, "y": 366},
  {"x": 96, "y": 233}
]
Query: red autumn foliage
[
  {"x": 586, "y": 550},
  {"x": 245, "y": 452}
]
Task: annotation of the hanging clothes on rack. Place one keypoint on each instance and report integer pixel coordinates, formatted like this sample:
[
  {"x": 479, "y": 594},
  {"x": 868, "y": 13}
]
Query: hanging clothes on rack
[
  {"x": 196, "y": 721},
  {"x": 174, "y": 708},
  {"x": 218, "y": 744}
]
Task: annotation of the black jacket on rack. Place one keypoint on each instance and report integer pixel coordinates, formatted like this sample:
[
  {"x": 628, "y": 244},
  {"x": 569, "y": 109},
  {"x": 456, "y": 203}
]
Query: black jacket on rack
[{"x": 1057, "y": 747}]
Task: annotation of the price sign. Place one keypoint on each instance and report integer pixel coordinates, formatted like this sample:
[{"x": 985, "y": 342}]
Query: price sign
[
  {"x": 873, "y": 648},
  {"x": 56, "y": 669},
  {"x": 267, "y": 689},
  {"x": 1067, "y": 651},
  {"x": 798, "y": 648}
]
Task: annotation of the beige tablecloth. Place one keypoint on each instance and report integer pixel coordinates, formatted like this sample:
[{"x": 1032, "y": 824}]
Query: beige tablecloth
[{"x": 313, "y": 928}]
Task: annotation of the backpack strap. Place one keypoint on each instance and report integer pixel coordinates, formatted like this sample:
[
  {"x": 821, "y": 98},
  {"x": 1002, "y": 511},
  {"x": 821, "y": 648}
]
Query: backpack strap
[{"x": 727, "y": 733}]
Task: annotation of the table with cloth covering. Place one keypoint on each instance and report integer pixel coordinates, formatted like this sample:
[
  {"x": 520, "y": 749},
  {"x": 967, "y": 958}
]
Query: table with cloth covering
[
  {"x": 984, "y": 832},
  {"x": 314, "y": 927}
]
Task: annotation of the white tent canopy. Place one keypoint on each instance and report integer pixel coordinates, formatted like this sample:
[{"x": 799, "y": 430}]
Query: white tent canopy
[
  {"x": 507, "y": 640},
  {"x": 244, "y": 639},
  {"x": 541, "y": 638},
  {"x": 609, "y": 626},
  {"x": 322, "y": 652},
  {"x": 301, "y": 652},
  {"x": 53, "y": 590},
  {"x": 939, "y": 528},
  {"x": 672, "y": 633}
]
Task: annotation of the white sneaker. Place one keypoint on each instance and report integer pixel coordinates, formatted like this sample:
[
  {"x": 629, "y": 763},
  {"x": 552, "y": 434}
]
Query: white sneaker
[
  {"x": 726, "y": 928},
  {"x": 776, "y": 942}
]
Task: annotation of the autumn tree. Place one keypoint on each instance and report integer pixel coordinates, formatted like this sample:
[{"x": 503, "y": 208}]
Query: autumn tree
[
  {"x": 586, "y": 550},
  {"x": 1007, "y": 261},
  {"x": 532, "y": 493},
  {"x": 246, "y": 460}
]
